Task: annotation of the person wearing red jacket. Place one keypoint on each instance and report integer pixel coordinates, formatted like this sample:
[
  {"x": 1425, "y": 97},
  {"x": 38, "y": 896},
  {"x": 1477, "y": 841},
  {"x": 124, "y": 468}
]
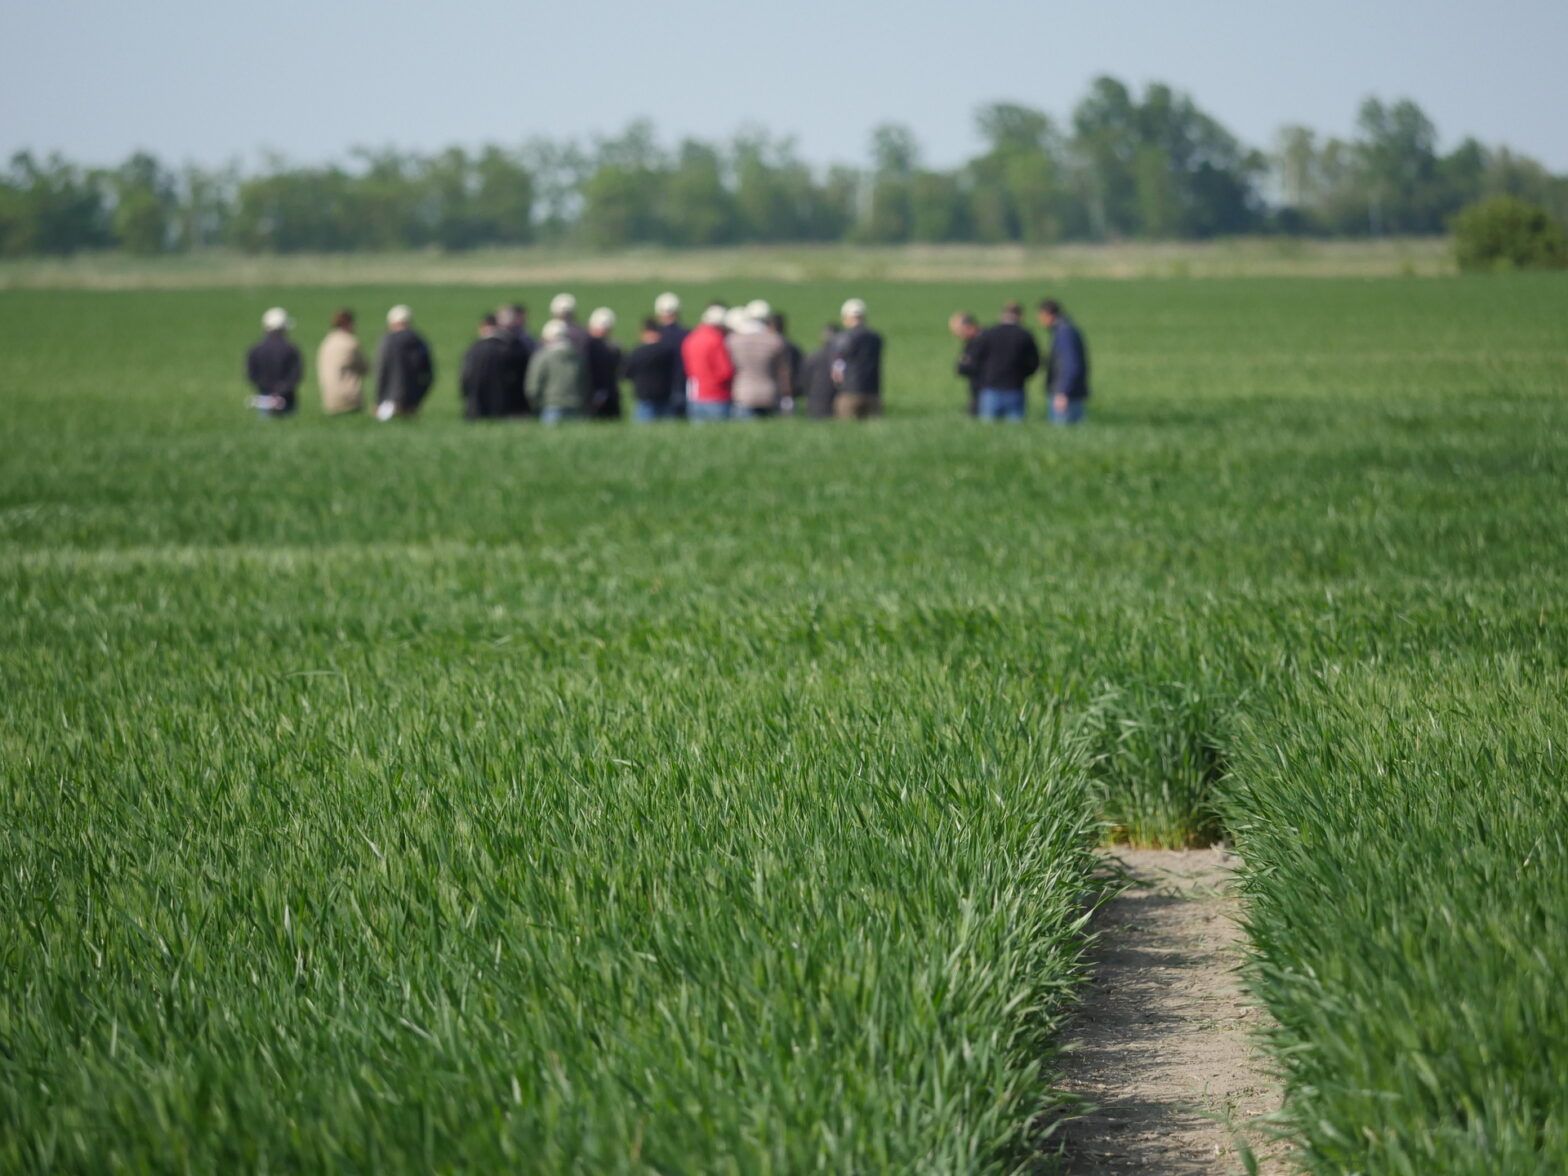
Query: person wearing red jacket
[{"x": 710, "y": 372}]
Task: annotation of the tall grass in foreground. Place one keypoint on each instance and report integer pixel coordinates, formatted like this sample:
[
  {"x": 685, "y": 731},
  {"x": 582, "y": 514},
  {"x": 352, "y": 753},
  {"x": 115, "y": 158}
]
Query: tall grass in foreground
[
  {"x": 644, "y": 920},
  {"x": 1407, "y": 841}
]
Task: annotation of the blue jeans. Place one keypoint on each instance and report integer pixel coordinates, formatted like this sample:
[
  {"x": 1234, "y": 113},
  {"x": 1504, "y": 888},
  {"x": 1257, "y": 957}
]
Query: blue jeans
[
  {"x": 1073, "y": 414},
  {"x": 646, "y": 412},
  {"x": 1002, "y": 404},
  {"x": 556, "y": 416},
  {"x": 702, "y": 412}
]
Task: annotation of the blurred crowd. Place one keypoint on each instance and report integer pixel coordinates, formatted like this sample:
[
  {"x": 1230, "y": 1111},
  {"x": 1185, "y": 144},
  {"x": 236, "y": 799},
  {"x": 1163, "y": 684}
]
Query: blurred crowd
[{"x": 737, "y": 363}]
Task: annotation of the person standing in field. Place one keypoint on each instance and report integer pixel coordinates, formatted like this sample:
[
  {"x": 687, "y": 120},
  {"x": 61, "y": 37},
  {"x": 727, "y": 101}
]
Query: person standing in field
[
  {"x": 486, "y": 380},
  {"x": 1067, "y": 372},
  {"x": 667, "y": 309},
  {"x": 341, "y": 366},
  {"x": 966, "y": 329},
  {"x": 757, "y": 353},
  {"x": 404, "y": 367},
  {"x": 816, "y": 376},
  {"x": 857, "y": 366},
  {"x": 710, "y": 373},
  {"x": 1005, "y": 356},
  {"x": 791, "y": 388},
  {"x": 563, "y": 309},
  {"x": 512, "y": 327},
  {"x": 604, "y": 367},
  {"x": 558, "y": 377},
  {"x": 273, "y": 366},
  {"x": 648, "y": 368}
]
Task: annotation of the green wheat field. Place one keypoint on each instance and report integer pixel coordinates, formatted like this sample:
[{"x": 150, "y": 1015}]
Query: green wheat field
[{"x": 480, "y": 798}]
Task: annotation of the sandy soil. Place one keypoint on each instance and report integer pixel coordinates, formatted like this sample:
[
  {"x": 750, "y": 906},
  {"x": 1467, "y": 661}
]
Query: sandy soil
[{"x": 1163, "y": 1047}]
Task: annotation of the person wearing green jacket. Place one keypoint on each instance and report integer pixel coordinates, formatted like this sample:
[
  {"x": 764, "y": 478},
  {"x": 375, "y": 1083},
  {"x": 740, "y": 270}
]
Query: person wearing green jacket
[{"x": 558, "y": 377}]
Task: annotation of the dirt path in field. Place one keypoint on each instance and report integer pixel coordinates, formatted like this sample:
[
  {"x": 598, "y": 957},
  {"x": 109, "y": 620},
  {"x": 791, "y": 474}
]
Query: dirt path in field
[{"x": 1162, "y": 1047}]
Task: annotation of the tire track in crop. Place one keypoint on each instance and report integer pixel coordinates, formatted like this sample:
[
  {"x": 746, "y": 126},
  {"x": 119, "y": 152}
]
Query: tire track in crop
[{"x": 1162, "y": 1049}]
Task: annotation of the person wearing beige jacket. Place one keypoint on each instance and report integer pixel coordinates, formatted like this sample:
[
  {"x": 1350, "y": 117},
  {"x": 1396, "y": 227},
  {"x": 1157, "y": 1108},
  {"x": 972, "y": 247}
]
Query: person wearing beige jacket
[{"x": 341, "y": 367}]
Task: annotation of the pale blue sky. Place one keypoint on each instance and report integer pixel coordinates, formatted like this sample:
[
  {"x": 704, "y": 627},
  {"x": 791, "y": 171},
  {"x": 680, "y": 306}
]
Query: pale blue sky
[{"x": 212, "y": 81}]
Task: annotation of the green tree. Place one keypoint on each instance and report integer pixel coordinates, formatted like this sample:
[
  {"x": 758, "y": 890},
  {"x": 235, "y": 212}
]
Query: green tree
[
  {"x": 936, "y": 203},
  {"x": 1398, "y": 147},
  {"x": 698, "y": 209},
  {"x": 145, "y": 205},
  {"x": 1017, "y": 186},
  {"x": 895, "y": 157},
  {"x": 1503, "y": 233},
  {"x": 1106, "y": 140},
  {"x": 50, "y": 206}
]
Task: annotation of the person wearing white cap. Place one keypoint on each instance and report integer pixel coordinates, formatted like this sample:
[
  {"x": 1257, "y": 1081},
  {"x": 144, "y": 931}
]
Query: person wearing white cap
[
  {"x": 563, "y": 309},
  {"x": 557, "y": 377},
  {"x": 667, "y": 309},
  {"x": 857, "y": 366},
  {"x": 405, "y": 369},
  {"x": 604, "y": 367},
  {"x": 273, "y": 366},
  {"x": 760, "y": 362},
  {"x": 710, "y": 372}
]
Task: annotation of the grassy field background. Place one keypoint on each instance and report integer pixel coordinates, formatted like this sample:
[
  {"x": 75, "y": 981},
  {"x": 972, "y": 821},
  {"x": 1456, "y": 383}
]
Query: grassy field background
[{"x": 452, "y": 797}]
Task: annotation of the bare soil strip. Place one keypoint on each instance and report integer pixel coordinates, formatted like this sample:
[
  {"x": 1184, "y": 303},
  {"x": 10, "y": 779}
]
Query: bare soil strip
[{"x": 1163, "y": 1049}]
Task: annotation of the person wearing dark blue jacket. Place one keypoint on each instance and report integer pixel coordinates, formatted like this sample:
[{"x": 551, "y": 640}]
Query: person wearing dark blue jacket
[{"x": 1067, "y": 371}]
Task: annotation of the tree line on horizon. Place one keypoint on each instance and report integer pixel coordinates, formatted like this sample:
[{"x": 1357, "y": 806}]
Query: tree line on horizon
[{"x": 1124, "y": 166}]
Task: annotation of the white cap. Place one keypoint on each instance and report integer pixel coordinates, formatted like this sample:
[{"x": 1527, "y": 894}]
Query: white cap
[
  {"x": 714, "y": 315},
  {"x": 855, "y": 308},
  {"x": 562, "y": 305},
  {"x": 554, "y": 331},
  {"x": 399, "y": 314},
  {"x": 759, "y": 310},
  {"x": 667, "y": 303},
  {"x": 739, "y": 322},
  {"x": 276, "y": 319},
  {"x": 602, "y": 319}
]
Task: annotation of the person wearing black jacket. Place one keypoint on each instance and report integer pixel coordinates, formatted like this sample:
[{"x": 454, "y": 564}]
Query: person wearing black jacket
[
  {"x": 273, "y": 366},
  {"x": 604, "y": 367},
  {"x": 667, "y": 310},
  {"x": 794, "y": 387},
  {"x": 816, "y": 376},
  {"x": 857, "y": 366},
  {"x": 404, "y": 368},
  {"x": 512, "y": 329},
  {"x": 1005, "y": 356},
  {"x": 967, "y": 329},
  {"x": 489, "y": 371},
  {"x": 648, "y": 368}
]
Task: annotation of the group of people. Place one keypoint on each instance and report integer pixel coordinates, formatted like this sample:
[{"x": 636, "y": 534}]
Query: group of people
[
  {"x": 998, "y": 362},
  {"x": 737, "y": 363}
]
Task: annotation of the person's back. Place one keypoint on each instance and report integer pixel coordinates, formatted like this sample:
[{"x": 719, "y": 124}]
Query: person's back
[
  {"x": 710, "y": 371},
  {"x": 860, "y": 350},
  {"x": 340, "y": 370},
  {"x": 274, "y": 368},
  {"x": 405, "y": 369},
  {"x": 487, "y": 378},
  {"x": 1069, "y": 360},
  {"x": 519, "y": 349},
  {"x": 1005, "y": 356},
  {"x": 648, "y": 368},
  {"x": 759, "y": 359},
  {"x": 816, "y": 377},
  {"x": 603, "y": 358},
  {"x": 557, "y": 379}
]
